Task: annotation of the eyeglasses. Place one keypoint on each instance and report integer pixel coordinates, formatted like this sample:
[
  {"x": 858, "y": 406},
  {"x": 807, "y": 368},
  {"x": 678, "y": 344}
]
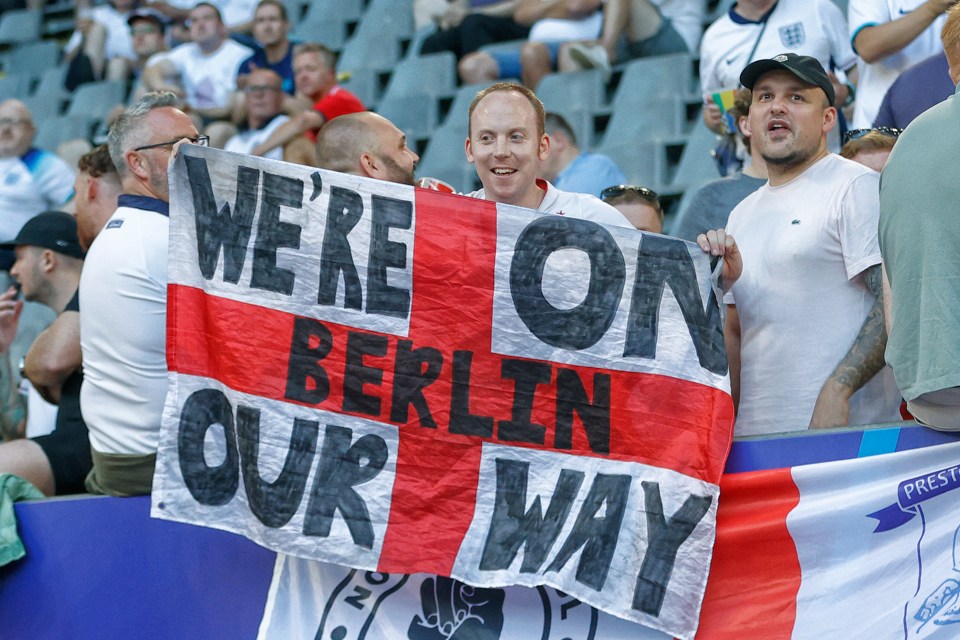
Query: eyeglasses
[
  {"x": 856, "y": 134},
  {"x": 203, "y": 141},
  {"x": 12, "y": 122},
  {"x": 618, "y": 190},
  {"x": 260, "y": 88},
  {"x": 143, "y": 31}
]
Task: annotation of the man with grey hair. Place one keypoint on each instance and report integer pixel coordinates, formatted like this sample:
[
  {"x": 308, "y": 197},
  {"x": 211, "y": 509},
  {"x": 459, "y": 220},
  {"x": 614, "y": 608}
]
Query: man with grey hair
[
  {"x": 366, "y": 144},
  {"x": 124, "y": 293}
]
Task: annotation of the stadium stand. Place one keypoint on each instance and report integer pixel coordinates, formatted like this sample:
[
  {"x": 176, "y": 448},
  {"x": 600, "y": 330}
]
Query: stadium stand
[{"x": 644, "y": 116}]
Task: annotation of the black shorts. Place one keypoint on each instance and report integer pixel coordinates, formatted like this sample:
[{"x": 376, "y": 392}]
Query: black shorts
[{"x": 68, "y": 450}]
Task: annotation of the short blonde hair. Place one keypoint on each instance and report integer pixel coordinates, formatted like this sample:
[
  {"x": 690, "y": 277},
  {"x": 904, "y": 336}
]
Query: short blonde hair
[{"x": 541, "y": 113}]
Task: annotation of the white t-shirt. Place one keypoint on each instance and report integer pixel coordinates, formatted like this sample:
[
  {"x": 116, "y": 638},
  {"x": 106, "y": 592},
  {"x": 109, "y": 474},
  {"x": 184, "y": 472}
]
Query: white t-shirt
[
  {"x": 208, "y": 80},
  {"x": 798, "y": 300},
  {"x": 236, "y": 12},
  {"x": 123, "y": 328},
  {"x": 808, "y": 27},
  {"x": 575, "y": 205},
  {"x": 247, "y": 141},
  {"x": 34, "y": 182},
  {"x": 119, "y": 42},
  {"x": 876, "y": 78},
  {"x": 559, "y": 30}
]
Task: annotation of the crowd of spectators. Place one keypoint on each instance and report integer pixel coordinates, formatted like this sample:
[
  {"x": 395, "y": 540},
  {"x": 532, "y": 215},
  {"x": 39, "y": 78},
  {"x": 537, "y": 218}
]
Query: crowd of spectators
[{"x": 808, "y": 313}]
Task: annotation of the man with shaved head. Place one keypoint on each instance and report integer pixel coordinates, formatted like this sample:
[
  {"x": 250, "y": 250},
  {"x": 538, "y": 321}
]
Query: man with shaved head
[
  {"x": 31, "y": 180},
  {"x": 366, "y": 144}
]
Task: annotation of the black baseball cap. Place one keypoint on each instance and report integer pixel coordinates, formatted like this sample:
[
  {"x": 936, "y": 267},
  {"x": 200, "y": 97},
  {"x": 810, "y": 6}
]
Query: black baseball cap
[
  {"x": 804, "y": 67},
  {"x": 148, "y": 14},
  {"x": 53, "y": 230}
]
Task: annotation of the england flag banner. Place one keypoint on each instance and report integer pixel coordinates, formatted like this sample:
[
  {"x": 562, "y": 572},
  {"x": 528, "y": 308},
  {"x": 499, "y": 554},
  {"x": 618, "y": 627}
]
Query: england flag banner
[
  {"x": 401, "y": 381},
  {"x": 860, "y": 548}
]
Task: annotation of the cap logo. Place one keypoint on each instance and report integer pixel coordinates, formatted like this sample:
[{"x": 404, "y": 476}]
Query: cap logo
[
  {"x": 780, "y": 58},
  {"x": 61, "y": 243}
]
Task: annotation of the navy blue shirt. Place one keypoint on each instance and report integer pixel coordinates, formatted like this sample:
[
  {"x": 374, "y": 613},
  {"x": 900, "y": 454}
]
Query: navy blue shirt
[{"x": 284, "y": 67}]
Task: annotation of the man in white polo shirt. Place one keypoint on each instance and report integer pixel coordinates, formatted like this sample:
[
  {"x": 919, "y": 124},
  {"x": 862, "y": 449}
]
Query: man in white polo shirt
[{"x": 123, "y": 289}]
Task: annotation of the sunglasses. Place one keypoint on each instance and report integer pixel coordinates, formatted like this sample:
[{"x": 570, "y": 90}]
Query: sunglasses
[
  {"x": 856, "y": 134},
  {"x": 618, "y": 190},
  {"x": 203, "y": 141}
]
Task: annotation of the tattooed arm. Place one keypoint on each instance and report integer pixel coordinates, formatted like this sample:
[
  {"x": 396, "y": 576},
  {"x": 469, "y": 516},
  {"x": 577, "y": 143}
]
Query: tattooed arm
[{"x": 858, "y": 366}]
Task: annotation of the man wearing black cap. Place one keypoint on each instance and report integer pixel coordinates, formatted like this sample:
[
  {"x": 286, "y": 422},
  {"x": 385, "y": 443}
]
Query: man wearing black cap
[
  {"x": 48, "y": 264},
  {"x": 810, "y": 295},
  {"x": 147, "y": 33}
]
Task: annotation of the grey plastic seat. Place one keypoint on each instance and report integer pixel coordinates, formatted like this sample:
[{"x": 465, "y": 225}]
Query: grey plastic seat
[
  {"x": 444, "y": 158},
  {"x": 52, "y": 132},
  {"x": 389, "y": 16},
  {"x": 654, "y": 120},
  {"x": 365, "y": 84},
  {"x": 696, "y": 164},
  {"x": 432, "y": 75},
  {"x": 414, "y": 115},
  {"x": 577, "y": 90},
  {"x": 655, "y": 77},
  {"x": 643, "y": 164},
  {"x": 33, "y": 58},
  {"x": 96, "y": 99},
  {"x": 371, "y": 48},
  {"x": 51, "y": 84},
  {"x": 42, "y": 107},
  {"x": 326, "y": 22},
  {"x": 19, "y": 26},
  {"x": 14, "y": 86}
]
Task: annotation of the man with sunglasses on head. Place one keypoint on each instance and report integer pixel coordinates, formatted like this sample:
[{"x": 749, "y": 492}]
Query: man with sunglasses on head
[
  {"x": 639, "y": 205},
  {"x": 805, "y": 334},
  {"x": 869, "y": 147},
  {"x": 123, "y": 289}
]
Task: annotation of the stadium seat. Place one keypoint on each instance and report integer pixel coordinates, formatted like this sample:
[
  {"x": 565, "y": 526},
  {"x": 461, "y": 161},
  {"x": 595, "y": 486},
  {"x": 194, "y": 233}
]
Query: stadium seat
[
  {"x": 445, "y": 159},
  {"x": 696, "y": 164},
  {"x": 370, "y": 48},
  {"x": 19, "y": 26},
  {"x": 96, "y": 99},
  {"x": 433, "y": 75},
  {"x": 51, "y": 83},
  {"x": 389, "y": 16},
  {"x": 580, "y": 90},
  {"x": 414, "y": 115},
  {"x": 33, "y": 58},
  {"x": 643, "y": 164},
  {"x": 653, "y": 120},
  {"x": 14, "y": 86},
  {"x": 326, "y": 22},
  {"x": 577, "y": 96},
  {"x": 655, "y": 77},
  {"x": 52, "y": 132},
  {"x": 41, "y": 107},
  {"x": 364, "y": 83}
]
